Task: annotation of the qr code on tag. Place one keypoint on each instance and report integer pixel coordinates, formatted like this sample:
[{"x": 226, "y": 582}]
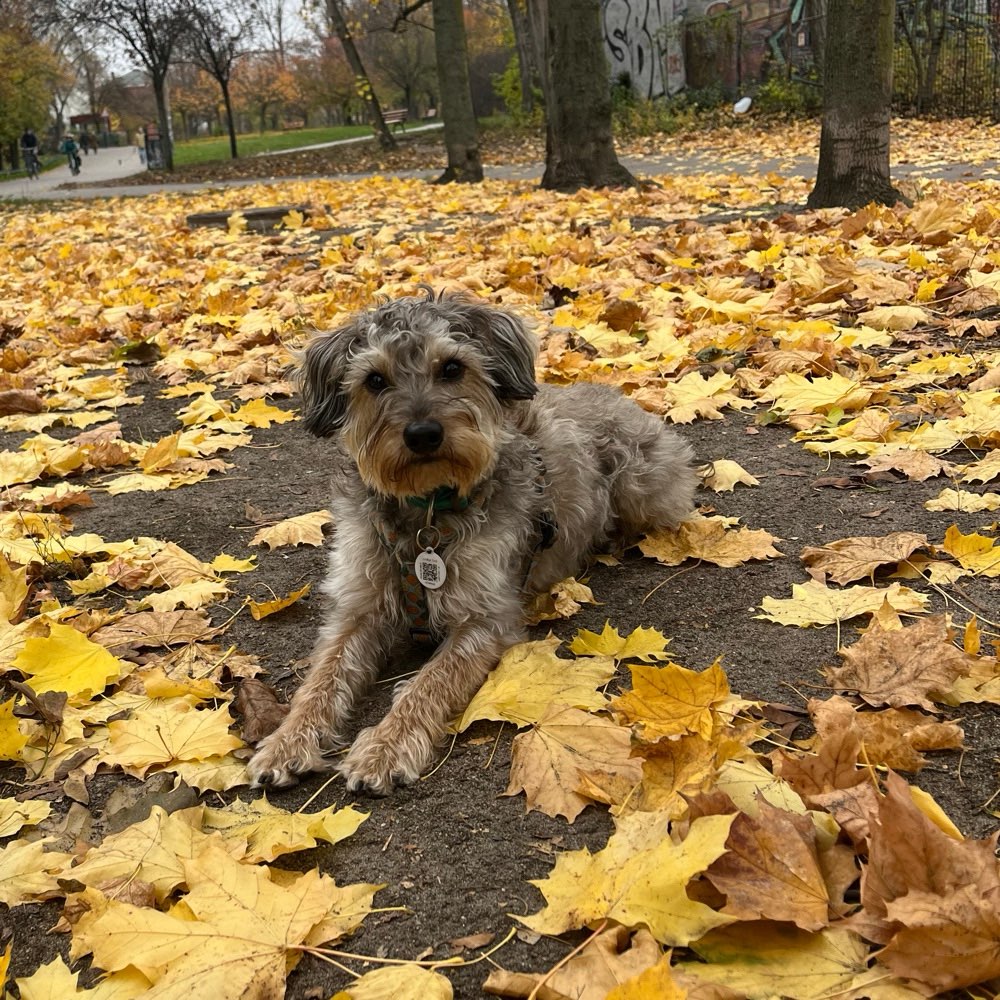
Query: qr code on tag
[{"x": 429, "y": 572}]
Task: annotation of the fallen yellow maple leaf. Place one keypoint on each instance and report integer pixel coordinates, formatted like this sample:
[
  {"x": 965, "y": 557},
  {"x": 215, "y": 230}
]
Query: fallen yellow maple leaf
[
  {"x": 167, "y": 733},
  {"x": 770, "y": 959},
  {"x": 530, "y": 677},
  {"x": 305, "y": 529},
  {"x": 645, "y": 644},
  {"x": 726, "y": 474},
  {"x": 28, "y": 871},
  {"x": 152, "y": 851},
  {"x": 66, "y": 660},
  {"x": 269, "y": 831},
  {"x": 974, "y": 552},
  {"x": 813, "y": 603},
  {"x": 261, "y": 609},
  {"x": 401, "y": 982},
  {"x": 192, "y": 595},
  {"x": 964, "y": 500},
  {"x": 233, "y": 936},
  {"x": 12, "y": 741},
  {"x": 709, "y": 539},
  {"x": 565, "y": 745},
  {"x": 14, "y": 814},
  {"x": 635, "y": 882},
  {"x": 671, "y": 700}
]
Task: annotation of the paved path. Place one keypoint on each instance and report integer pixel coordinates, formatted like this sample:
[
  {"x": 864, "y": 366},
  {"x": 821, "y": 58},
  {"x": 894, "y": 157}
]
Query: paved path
[
  {"x": 111, "y": 164},
  {"x": 105, "y": 165}
]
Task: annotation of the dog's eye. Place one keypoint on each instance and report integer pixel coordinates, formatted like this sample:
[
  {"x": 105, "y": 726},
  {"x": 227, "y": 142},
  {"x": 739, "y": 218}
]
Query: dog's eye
[
  {"x": 376, "y": 383},
  {"x": 451, "y": 371}
]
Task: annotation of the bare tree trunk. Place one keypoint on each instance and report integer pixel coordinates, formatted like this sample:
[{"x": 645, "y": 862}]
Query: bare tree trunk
[
  {"x": 163, "y": 116},
  {"x": 527, "y": 62},
  {"x": 230, "y": 123},
  {"x": 343, "y": 32},
  {"x": 853, "y": 165},
  {"x": 461, "y": 137},
  {"x": 579, "y": 146}
]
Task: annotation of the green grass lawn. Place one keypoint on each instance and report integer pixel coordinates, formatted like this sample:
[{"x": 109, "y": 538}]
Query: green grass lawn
[{"x": 217, "y": 147}]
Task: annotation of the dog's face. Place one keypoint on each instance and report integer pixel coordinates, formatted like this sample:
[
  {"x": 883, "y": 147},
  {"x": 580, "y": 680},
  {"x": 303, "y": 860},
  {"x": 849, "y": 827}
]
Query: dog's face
[{"x": 417, "y": 390}]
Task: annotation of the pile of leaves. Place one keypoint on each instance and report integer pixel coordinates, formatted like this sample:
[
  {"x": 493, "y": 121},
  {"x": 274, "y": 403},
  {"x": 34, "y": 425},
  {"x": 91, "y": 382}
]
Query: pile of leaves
[{"x": 757, "y": 850}]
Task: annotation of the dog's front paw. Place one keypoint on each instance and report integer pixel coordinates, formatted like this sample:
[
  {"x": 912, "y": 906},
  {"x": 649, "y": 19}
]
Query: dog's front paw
[
  {"x": 283, "y": 756},
  {"x": 378, "y": 761}
]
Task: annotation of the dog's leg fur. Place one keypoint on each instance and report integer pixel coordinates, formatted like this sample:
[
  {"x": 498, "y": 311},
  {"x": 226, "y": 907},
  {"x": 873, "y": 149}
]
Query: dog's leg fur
[
  {"x": 345, "y": 662},
  {"x": 402, "y": 745}
]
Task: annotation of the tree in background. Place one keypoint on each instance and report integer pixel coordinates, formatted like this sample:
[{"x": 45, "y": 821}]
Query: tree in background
[
  {"x": 579, "y": 146},
  {"x": 149, "y": 31},
  {"x": 325, "y": 82},
  {"x": 194, "y": 98},
  {"x": 400, "y": 52},
  {"x": 527, "y": 59},
  {"x": 29, "y": 74},
  {"x": 853, "y": 165},
  {"x": 215, "y": 38},
  {"x": 261, "y": 87},
  {"x": 461, "y": 136},
  {"x": 363, "y": 85}
]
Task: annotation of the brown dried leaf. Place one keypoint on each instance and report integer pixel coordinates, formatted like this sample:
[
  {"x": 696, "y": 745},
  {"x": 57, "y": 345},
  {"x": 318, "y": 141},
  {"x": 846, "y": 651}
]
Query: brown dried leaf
[
  {"x": 902, "y": 668},
  {"x": 855, "y": 558},
  {"x": 915, "y": 465},
  {"x": 771, "y": 869},
  {"x": 258, "y": 704},
  {"x": 563, "y": 747},
  {"x": 909, "y": 857}
]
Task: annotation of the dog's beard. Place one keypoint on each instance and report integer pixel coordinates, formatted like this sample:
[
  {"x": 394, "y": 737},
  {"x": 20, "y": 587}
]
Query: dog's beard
[{"x": 386, "y": 465}]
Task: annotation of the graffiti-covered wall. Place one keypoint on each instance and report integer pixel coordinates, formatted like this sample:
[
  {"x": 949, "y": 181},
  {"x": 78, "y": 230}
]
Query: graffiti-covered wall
[{"x": 643, "y": 39}]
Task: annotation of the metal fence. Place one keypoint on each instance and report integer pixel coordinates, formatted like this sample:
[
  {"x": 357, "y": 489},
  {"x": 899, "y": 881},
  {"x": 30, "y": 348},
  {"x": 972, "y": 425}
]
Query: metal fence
[{"x": 946, "y": 58}]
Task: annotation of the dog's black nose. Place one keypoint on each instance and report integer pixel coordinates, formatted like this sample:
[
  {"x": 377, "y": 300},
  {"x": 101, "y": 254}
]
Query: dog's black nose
[{"x": 423, "y": 436}]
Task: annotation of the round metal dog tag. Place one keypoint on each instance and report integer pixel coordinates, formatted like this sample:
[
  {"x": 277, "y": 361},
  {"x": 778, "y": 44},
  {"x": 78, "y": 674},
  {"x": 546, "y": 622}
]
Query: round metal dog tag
[{"x": 430, "y": 569}]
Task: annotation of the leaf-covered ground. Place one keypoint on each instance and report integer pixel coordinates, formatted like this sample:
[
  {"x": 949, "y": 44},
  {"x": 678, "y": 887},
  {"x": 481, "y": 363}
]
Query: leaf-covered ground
[{"x": 755, "y": 780}]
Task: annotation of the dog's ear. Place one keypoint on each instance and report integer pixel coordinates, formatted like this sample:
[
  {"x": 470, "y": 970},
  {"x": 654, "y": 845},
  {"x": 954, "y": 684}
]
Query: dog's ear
[
  {"x": 505, "y": 341},
  {"x": 320, "y": 378}
]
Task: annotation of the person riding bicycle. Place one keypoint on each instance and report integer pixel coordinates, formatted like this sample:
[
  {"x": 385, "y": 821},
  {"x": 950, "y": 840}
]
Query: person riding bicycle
[
  {"x": 72, "y": 150},
  {"x": 29, "y": 152}
]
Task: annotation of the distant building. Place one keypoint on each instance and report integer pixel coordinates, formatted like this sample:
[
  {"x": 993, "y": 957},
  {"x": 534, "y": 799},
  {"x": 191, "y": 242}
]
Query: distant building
[{"x": 662, "y": 46}]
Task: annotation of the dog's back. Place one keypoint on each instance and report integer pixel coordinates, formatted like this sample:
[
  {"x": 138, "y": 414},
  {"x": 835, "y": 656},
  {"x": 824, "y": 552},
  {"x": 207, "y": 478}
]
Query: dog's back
[{"x": 613, "y": 470}]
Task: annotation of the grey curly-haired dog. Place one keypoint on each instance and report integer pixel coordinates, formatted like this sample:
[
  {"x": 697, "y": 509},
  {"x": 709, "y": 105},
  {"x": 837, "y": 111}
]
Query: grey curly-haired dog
[{"x": 461, "y": 487}]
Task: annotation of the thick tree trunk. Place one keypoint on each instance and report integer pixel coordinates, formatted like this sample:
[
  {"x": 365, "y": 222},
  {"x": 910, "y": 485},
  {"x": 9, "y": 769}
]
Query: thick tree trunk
[
  {"x": 343, "y": 32},
  {"x": 163, "y": 116},
  {"x": 461, "y": 137},
  {"x": 857, "y": 94},
  {"x": 579, "y": 147}
]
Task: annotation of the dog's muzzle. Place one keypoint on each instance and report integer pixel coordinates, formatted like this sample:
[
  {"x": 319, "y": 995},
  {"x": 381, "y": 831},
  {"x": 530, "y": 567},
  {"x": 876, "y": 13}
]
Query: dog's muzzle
[{"x": 423, "y": 436}]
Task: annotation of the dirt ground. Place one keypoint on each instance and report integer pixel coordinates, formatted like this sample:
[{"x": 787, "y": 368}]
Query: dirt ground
[{"x": 453, "y": 850}]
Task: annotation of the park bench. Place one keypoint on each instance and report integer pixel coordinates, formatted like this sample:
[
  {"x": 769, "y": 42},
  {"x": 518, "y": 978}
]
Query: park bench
[{"x": 396, "y": 118}]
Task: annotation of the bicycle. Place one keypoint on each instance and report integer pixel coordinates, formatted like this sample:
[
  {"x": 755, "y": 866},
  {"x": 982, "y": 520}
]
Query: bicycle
[{"x": 31, "y": 162}]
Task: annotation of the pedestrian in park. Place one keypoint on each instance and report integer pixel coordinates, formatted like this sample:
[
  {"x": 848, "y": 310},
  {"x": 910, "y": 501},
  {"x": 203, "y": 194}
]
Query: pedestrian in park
[
  {"x": 85, "y": 143},
  {"x": 140, "y": 142},
  {"x": 71, "y": 150}
]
